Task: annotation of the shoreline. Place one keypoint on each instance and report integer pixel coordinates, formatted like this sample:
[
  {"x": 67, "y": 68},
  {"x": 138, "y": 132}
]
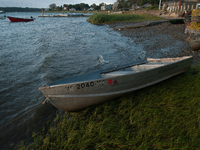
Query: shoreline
[{"x": 158, "y": 40}]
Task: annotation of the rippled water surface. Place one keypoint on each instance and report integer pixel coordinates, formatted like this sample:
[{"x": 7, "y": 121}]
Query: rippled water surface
[{"x": 33, "y": 54}]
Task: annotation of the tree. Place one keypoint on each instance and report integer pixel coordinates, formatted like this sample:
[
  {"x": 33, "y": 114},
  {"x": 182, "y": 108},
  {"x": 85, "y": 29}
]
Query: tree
[
  {"x": 77, "y": 6},
  {"x": 65, "y": 5},
  {"x": 102, "y": 4},
  {"x": 84, "y": 6},
  {"x": 52, "y": 6},
  {"x": 97, "y": 8},
  {"x": 93, "y": 6},
  {"x": 70, "y": 6},
  {"x": 59, "y": 8}
]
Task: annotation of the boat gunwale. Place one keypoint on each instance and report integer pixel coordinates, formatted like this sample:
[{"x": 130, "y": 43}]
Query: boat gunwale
[
  {"x": 117, "y": 92},
  {"x": 97, "y": 79}
]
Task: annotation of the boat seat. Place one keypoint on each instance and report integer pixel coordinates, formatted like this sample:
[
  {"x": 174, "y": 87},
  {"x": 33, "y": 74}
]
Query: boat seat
[
  {"x": 145, "y": 67},
  {"x": 116, "y": 73}
]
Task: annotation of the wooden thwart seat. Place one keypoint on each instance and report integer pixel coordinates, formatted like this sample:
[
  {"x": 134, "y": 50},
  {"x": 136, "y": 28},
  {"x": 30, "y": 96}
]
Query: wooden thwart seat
[{"x": 116, "y": 73}]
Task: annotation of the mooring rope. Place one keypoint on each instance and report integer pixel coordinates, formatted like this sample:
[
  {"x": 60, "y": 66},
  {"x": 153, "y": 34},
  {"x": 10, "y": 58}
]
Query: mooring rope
[{"x": 21, "y": 116}]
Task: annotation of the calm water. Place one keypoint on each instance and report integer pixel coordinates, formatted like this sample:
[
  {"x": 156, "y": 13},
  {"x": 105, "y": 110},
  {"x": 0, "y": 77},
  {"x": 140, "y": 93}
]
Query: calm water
[{"x": 37, "y": 53}]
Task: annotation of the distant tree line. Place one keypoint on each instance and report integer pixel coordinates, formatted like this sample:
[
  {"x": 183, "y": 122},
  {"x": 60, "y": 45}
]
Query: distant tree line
[
  {"x": 54, "y": 7},
  {"x": 121, "y": 4},
  {"x": 79, "y": 7},
  {"x": 129, "y": 3},
  {"x": 19, "y": 9},
  {"x": 97, "y": 7}
]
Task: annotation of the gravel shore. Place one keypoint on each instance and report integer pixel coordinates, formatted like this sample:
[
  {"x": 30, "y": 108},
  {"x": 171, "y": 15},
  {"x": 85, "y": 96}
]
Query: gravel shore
[{"x": 161, "y": 40}]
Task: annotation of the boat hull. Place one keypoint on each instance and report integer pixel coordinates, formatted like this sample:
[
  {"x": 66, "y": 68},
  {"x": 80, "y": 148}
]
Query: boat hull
[
  {"x": 176, "y": 21},
  {"x": 13, "y": 19},
  {"x": 80, "y": 95}
]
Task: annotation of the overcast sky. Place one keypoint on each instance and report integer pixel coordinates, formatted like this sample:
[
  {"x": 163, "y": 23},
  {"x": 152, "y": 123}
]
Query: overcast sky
[{"x": 46, "y": 3}]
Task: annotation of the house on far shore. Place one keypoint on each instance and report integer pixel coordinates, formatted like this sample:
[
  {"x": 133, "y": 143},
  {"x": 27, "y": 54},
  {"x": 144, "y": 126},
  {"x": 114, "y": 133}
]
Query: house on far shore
[
  {"x": 175, "y": 5},
  {"x": 115, "y": 5},
  {"x": 90, "y": 8},
  {"x": 72, "y": 9},
  {"x": 135, "y": 7},
  {"x": 106, "y": 7}
]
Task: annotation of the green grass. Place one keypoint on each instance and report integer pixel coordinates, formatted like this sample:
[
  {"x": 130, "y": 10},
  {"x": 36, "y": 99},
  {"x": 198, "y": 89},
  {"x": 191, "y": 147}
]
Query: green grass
[
  {"x": 151, "y": 8},
  {"x": 105, "y": 18},
  {"x": 162, "y": 116}
]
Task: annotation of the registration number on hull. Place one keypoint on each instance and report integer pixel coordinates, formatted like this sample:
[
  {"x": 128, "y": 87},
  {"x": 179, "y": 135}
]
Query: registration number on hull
[{"x": 96, "y": 83}]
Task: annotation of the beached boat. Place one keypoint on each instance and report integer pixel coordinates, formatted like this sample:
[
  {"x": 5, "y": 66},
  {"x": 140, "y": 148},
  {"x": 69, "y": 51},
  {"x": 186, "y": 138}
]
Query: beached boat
[
  {"x": 176, "y": 21},
  {"x": 195, "y": 42},
  {"x": 84, "y": 91},
  {"x": 16, "y": 19}
]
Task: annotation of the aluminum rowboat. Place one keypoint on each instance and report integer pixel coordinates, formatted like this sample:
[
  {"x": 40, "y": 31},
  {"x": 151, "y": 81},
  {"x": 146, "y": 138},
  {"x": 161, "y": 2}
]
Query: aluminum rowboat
[{"x": 111, "y": 84}]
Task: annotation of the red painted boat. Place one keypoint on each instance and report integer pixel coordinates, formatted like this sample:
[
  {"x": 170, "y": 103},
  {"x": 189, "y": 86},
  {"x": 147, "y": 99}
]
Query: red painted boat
[{"x": 15, "y": 19}]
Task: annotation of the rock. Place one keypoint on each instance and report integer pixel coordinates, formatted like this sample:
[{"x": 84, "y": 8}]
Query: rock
[{"x": 188, "y": 39}]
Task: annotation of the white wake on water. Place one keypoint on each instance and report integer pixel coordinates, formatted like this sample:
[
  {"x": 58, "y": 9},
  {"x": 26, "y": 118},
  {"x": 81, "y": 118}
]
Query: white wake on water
[{"x": 101, "y": 60}]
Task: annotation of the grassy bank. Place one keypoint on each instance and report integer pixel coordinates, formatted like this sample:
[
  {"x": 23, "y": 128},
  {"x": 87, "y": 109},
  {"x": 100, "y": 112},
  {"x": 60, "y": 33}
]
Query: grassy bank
[
  {"x": 162, "y": 116},
  {"x": 106, "y": 18}
]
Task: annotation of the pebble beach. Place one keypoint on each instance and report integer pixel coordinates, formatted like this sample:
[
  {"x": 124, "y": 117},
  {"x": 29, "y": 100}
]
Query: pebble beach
[{"x": 160, "y": 40}]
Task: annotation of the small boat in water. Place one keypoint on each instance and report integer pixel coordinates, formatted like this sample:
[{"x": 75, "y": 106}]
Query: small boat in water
[
  {"x": 3, "y": 17},
  {"x": 1, "y": 12},
  {"x": 85, "y": 91},
  {"x": 16, "y": 19}
]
